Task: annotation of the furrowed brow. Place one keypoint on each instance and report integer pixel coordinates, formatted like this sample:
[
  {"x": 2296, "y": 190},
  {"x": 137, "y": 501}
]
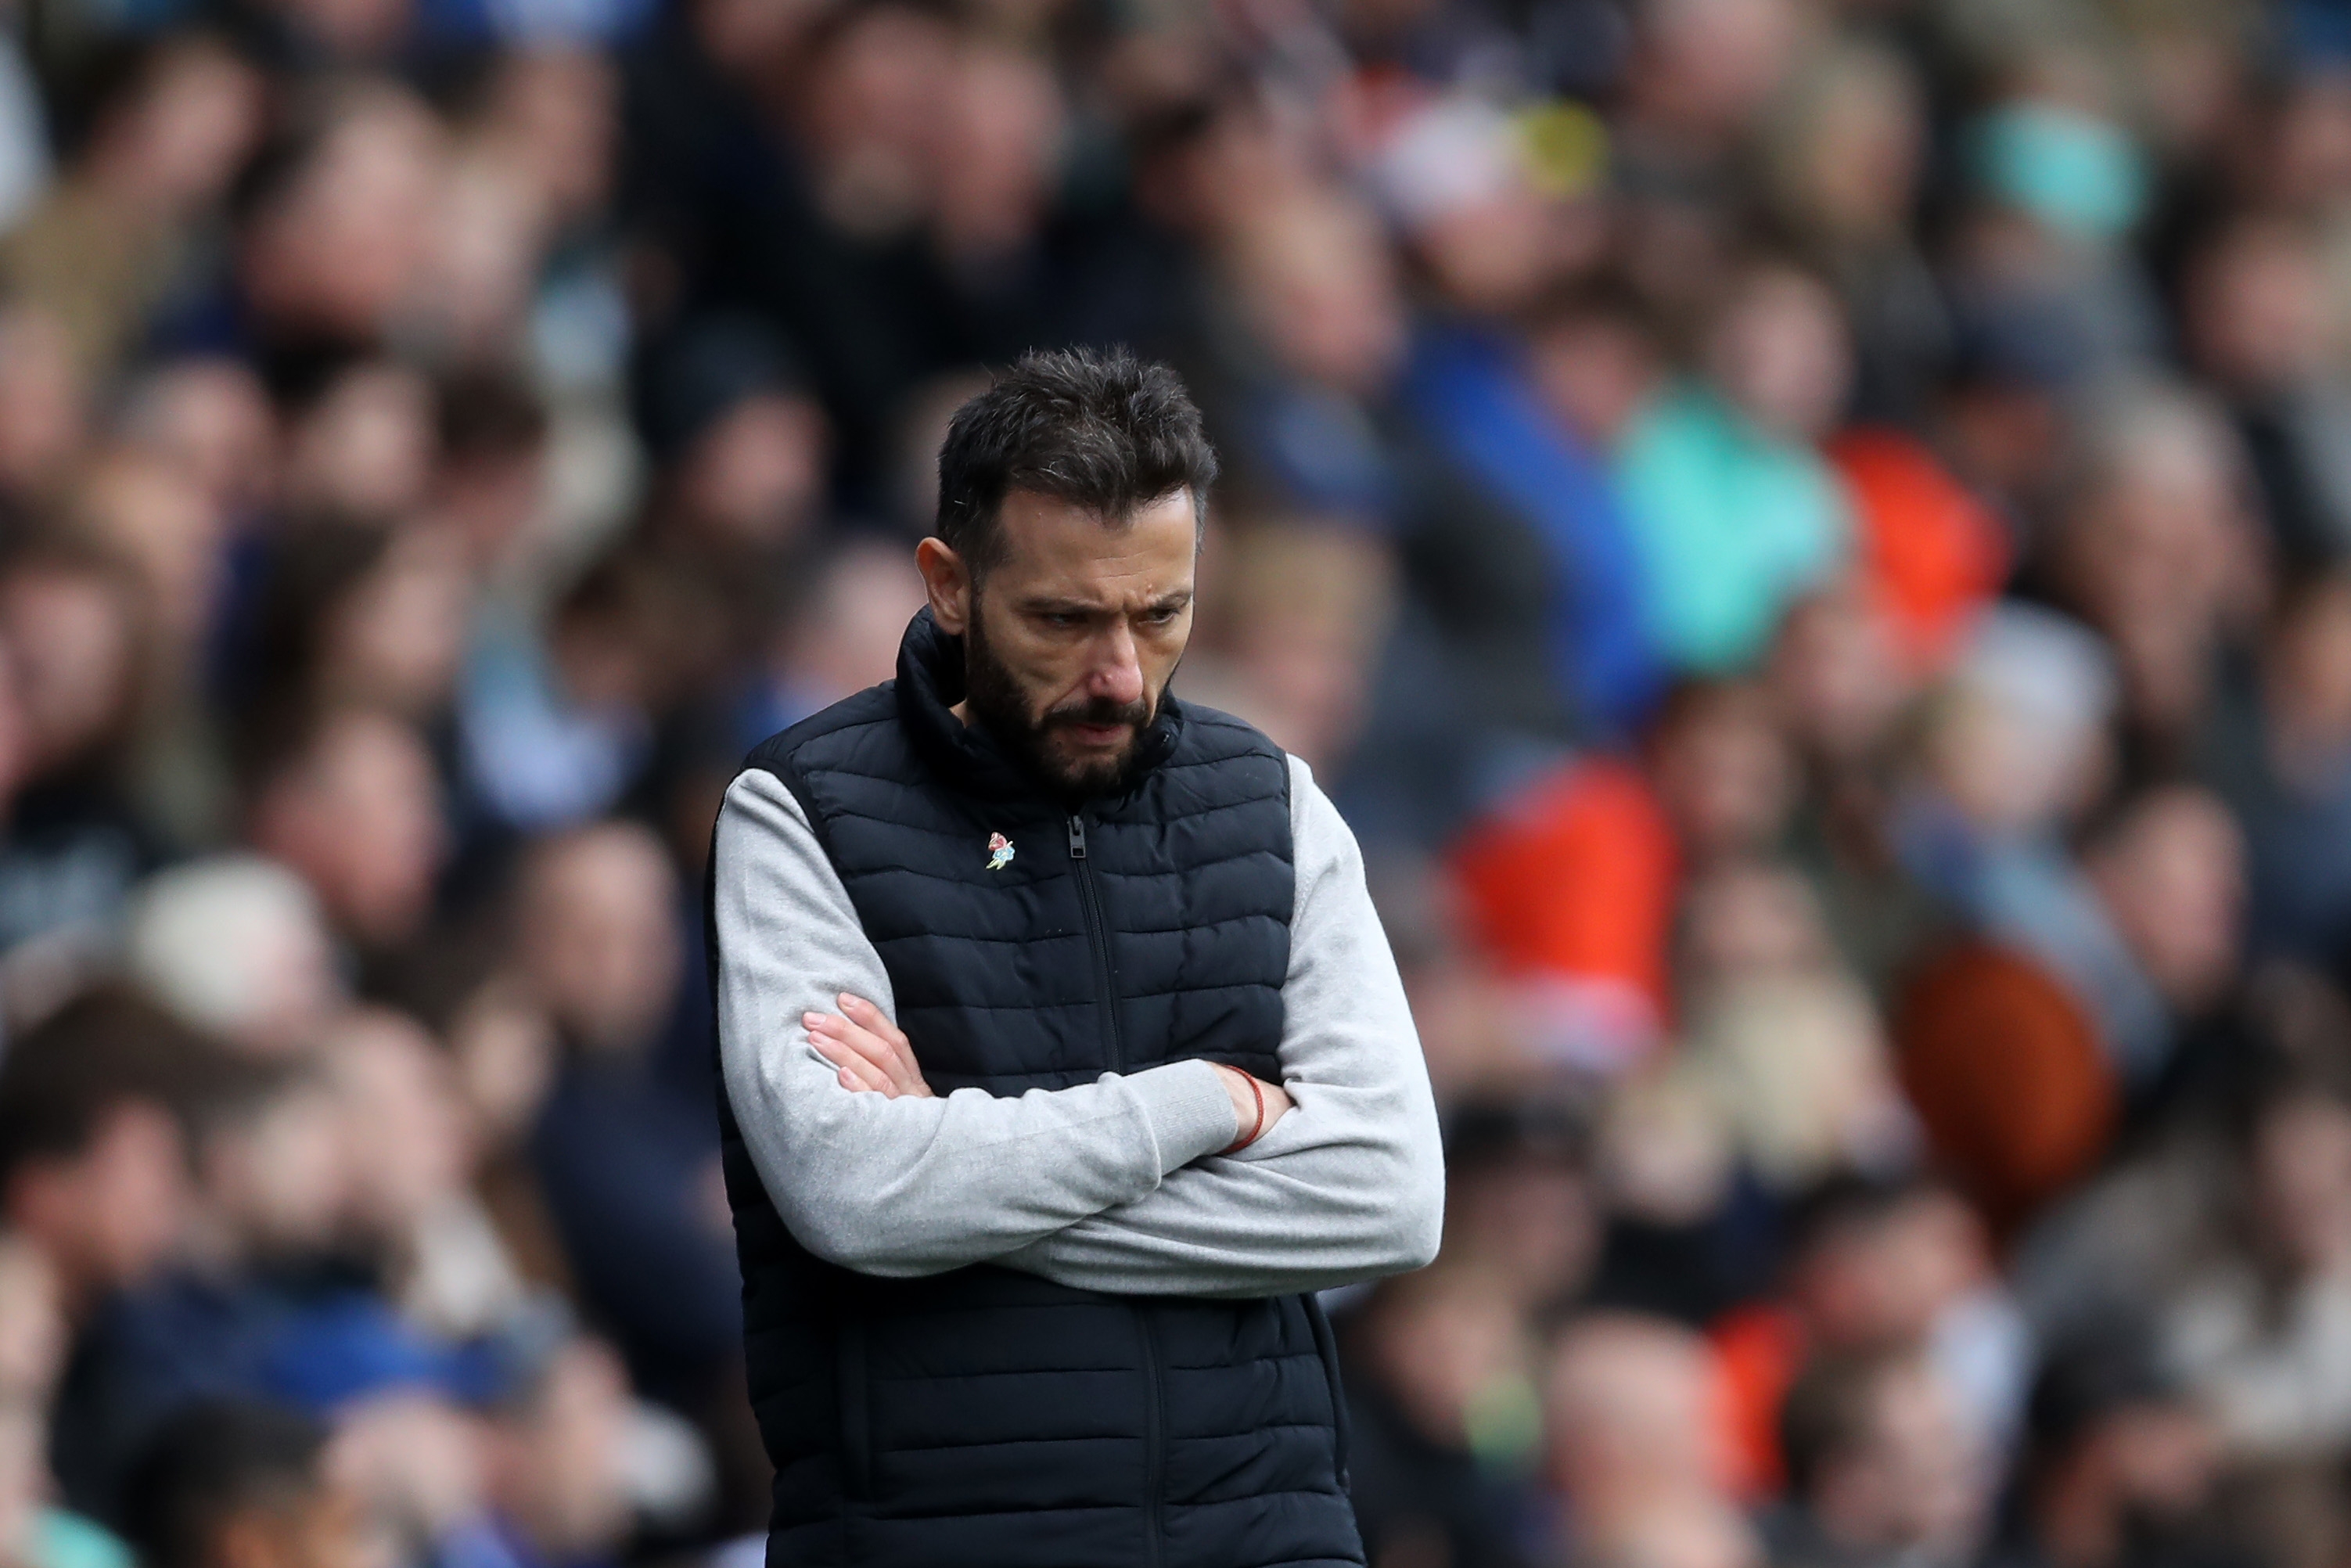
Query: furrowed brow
[{"x": 1045, "y": 606}]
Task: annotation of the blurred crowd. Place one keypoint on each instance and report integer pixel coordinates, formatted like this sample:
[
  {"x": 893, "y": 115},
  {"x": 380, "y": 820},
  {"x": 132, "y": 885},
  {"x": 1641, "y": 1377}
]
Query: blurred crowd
[{"x": 1810, "y": 538}]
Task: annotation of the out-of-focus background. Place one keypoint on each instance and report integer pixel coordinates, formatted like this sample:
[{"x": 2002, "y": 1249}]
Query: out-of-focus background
[{"x": 1808, "y": 538}]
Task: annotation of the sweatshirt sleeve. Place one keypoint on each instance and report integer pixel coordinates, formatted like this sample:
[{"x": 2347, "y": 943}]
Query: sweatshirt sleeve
[
  {"x": 1347, "y": 1186},
  {"x": 906, "y": 1186}
]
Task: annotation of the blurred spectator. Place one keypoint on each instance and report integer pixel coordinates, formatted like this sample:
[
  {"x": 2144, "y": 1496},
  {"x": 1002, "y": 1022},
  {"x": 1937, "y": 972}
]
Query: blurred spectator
[
  {"x": 100, "y": 251},
  {"x": 1523, "y": 1213},
  {"x": 628, "y": 1162},
  {"x": 43, "y": 400},
  {"x": 1306, "y": 608},
  {"x": 1848, "y": 702},
  {"x": 1536, "y": 437},
  {"x": 557, "y": 1463},
  {"x": 93, "y": 1156},
  {"x": 358, "y": 446},
  {"x": 71, "y": 641},
  {"x": 2277, "y": 754},
  {"x": 840, "y": 638},
  {"x": 246, "y": 1484},
  {"x": 1783, "y": 1038},
  {"x": 1637, "y": 1445},
  {"x": 2120, "y": 1468},
  {"x": 336, "y": 221},
  {"x": 411, "y": 1155},
  {"x": 489, "y": 488},
  {"x": 362, "y": 617},
  {"x": 1881, "y": 1466},
  {"x": 32, "y": 1353},
  {"x": 1444, "y": 1418},
  {"x": 2257, "y": 1331},
  {"x": 349, "y": 800},
  {"x": 1573, "y": 884},
  {"x": 1875, "y": 1270},
  {"x": 1734, "y": 513},
  {"x": 210, "y": 416},
  {"x": 2156, "y": 554},
  {"x": 1847, "y": 148},
  {"x": 2261, "y": 325},
  {"x": 237, "y": 947},
  {"x": 1931, "y": 554}
]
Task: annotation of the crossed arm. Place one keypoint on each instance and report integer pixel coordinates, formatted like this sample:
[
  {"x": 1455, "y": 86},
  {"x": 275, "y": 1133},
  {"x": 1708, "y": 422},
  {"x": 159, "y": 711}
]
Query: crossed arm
[
  {"x": 873, "y": 1053},
  {"x": 1115, "y": 1185}
]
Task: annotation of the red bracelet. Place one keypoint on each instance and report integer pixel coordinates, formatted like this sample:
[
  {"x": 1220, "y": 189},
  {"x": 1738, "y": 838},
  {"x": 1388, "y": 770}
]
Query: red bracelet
[{"x": 1257, "y": 1093}]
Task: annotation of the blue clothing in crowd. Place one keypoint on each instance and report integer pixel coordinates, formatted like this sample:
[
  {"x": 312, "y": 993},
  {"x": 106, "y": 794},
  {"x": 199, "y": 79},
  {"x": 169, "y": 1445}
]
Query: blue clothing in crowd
[{"x": 1471, "y": 394}]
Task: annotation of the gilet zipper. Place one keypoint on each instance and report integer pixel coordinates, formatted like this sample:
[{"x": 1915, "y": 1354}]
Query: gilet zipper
[
  {"x": 1098, "y": 939},
  {"x": 1154, "y": 1438}
]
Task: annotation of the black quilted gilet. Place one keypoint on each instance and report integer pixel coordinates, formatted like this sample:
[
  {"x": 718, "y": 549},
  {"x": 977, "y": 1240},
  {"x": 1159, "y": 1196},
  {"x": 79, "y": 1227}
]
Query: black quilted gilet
[{"x": 986, "y": 1418}]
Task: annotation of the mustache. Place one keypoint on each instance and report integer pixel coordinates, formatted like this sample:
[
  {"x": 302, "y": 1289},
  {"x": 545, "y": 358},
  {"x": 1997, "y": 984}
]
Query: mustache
[{"x": 1097, "y": 711}]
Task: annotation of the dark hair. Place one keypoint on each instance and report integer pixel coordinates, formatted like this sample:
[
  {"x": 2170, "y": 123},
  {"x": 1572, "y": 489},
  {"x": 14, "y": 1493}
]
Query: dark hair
[
  {"x": 107, "y": 1048},
  {"x": 1827, "y": 1413},
  {"x": 209, "y": 1462},
  {"x": 1098, "y": 429},
  {"x": 2110, "y": 1362},
  {"x": 1844, "y": 1201},
  {"x": 308, "y": 582},
  {"x": 489, "y": 416}
]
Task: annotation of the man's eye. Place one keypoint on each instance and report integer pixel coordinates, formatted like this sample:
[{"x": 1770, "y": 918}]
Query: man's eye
[
  {"x": 1062, "y": 621},
  {"x": 1163, "y": 614}
]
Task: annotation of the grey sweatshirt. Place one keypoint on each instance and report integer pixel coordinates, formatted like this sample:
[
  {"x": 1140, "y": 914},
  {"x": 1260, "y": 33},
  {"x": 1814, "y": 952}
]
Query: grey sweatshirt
[{"x": 1111, "y": 1186}]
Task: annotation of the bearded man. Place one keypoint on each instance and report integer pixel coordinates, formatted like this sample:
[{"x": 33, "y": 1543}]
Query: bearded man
[{"x": 1064, "y": 1056}]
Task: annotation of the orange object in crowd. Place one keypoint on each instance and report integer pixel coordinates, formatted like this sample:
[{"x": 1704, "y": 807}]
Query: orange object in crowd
[
  {"x": 1931, "y": 552},
  {"x": 1761, "y": 1349},
  {"x": 2005, "y": 1070},
  {"x": 1576, "y": 879}
]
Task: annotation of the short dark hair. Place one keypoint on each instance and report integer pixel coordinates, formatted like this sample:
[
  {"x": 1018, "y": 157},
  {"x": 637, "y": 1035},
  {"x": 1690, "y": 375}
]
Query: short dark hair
[
  {"x": 1097, "y": 428},
  {"x": 489, "y": 416},
  {"x": 1829, "y": 1412},
  {"x": 209, "y": 1462},
  {"x": 105, "y": 1048}
]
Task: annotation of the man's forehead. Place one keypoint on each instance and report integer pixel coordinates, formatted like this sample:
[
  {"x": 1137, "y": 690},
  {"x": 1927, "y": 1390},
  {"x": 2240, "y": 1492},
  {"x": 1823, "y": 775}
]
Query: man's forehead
[{"x": 1047, "y": 541}]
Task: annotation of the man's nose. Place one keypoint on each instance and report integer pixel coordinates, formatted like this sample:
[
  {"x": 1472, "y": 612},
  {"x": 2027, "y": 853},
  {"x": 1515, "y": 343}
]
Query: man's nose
[{"x": 1117, "y": 675}]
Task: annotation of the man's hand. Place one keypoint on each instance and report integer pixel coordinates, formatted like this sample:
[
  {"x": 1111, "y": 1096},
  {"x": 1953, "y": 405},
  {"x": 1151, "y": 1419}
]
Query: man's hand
[
  {"x": 871, "y": 1051},
  {"x": 1237, "y": 1084}
]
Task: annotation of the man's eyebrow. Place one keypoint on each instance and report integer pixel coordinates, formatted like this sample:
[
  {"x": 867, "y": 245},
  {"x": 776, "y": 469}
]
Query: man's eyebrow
[{"x": 1046, "y": 604}]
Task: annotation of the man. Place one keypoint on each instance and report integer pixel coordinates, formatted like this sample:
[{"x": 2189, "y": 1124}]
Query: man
[
  {"x": 1064, "y": 1052},
  {"x": 1883, "y": 1471},
  {"x": 232, "y": 1484},
  {"x": 2121, "y": 1468}
]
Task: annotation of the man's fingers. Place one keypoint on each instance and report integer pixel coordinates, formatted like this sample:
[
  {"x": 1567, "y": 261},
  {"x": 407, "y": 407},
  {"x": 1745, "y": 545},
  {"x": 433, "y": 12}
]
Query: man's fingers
[
  {"x": 867, "y": 1016},
  {"x": 862, "y": 1065},
  {"x": 882, "y": 1042},
  {"x": 869, "y": 1046},
  {"x": 893, "y": 1059},
  {"x": 856, "y": 1073}
]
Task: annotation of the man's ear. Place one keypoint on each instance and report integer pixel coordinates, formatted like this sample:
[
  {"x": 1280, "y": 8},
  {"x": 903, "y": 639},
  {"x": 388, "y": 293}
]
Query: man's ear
[{"x": 947, "y": 580}]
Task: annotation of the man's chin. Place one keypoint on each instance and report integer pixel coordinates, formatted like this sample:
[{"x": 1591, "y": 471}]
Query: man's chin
[{"x": 1090, "y": 770}]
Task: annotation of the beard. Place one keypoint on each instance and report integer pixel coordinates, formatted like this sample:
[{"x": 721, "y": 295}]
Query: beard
[{"x": 994, "y": 698}]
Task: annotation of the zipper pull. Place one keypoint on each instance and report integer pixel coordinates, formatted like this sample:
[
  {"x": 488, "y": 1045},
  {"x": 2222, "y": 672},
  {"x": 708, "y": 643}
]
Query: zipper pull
[{"x": 1077, "y": 839}]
